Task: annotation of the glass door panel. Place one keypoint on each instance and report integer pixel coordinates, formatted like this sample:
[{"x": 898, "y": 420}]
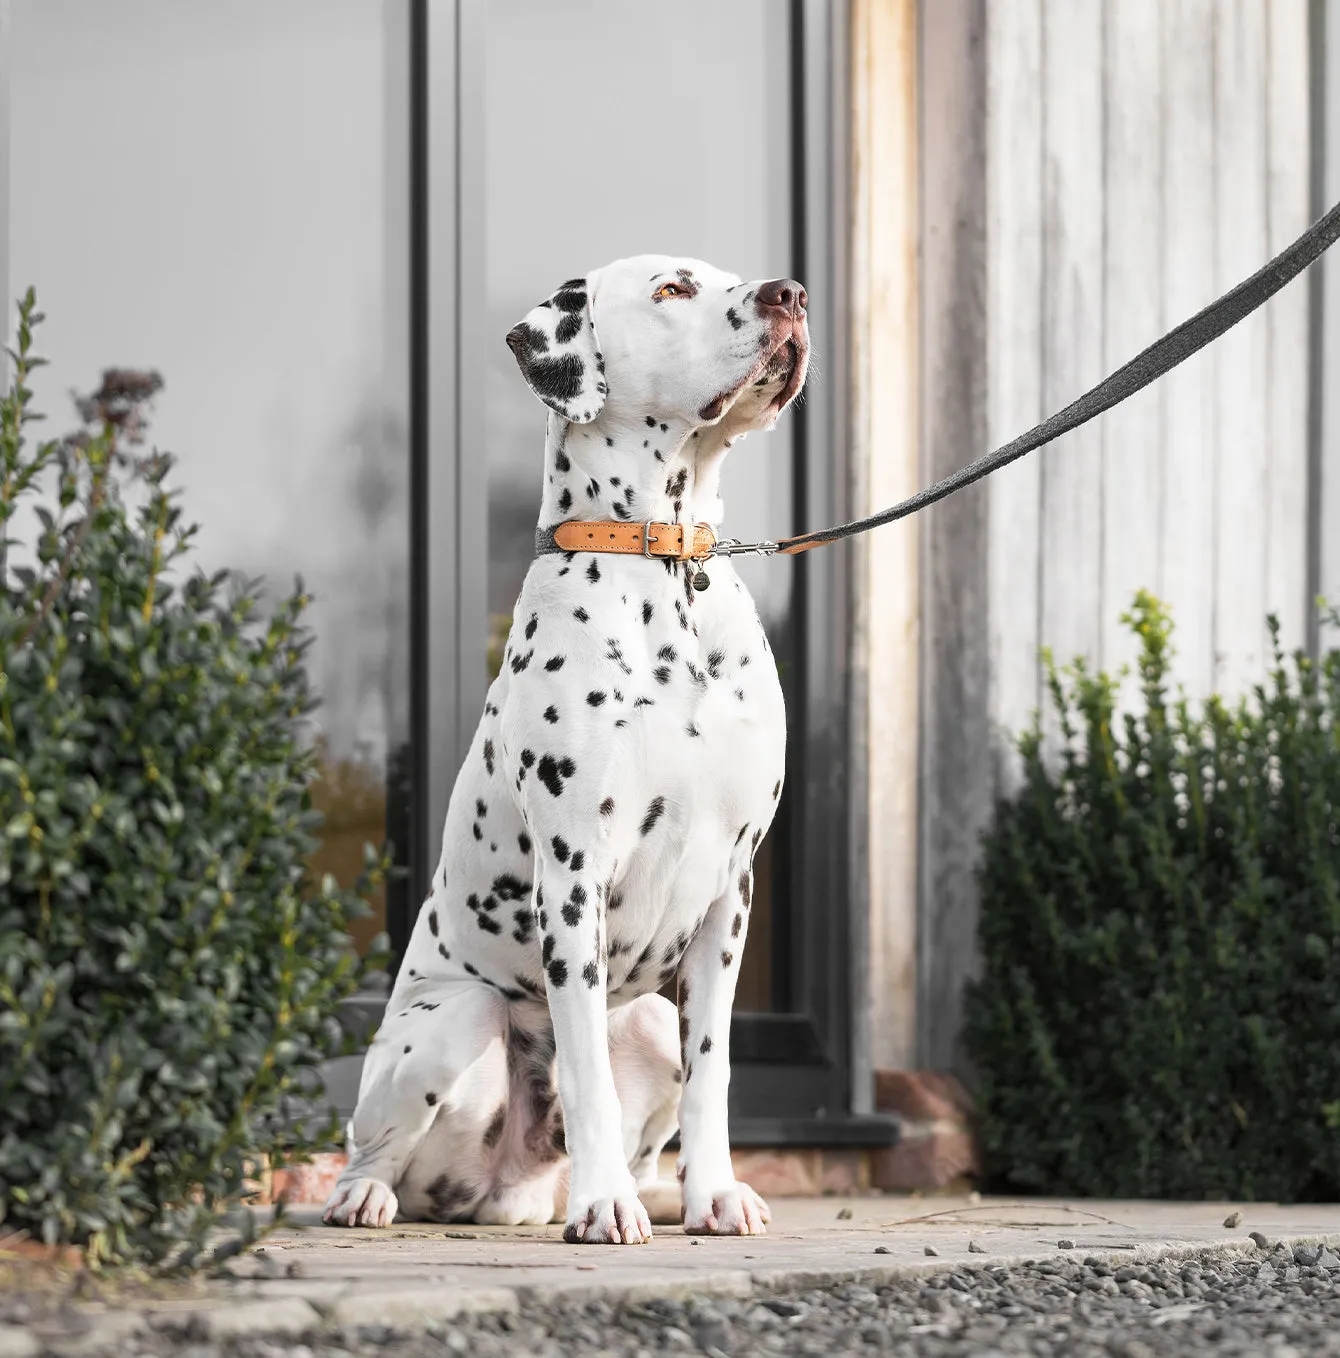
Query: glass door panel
[{"x": 214, "y": 191}]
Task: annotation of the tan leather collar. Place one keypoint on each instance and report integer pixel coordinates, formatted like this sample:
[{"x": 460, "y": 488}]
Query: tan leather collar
[{"x": 634, "y": 539}]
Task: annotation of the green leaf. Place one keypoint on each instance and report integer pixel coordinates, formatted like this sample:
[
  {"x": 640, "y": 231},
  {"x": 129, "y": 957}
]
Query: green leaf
[{"x": 1159, "y": 916}]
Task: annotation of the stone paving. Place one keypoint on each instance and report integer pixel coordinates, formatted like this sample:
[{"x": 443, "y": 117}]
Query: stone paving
[{"x": 307, "y": 1277}]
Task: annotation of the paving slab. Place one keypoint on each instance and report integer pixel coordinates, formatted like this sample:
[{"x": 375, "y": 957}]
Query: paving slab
[
  {"x": 810, "y": 1242},
  {"x": 308, "y": 1277}
]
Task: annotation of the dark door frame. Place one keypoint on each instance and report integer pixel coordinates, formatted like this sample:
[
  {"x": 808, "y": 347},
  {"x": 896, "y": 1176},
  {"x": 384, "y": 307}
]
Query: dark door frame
[{"x": 792, "y": 1080}]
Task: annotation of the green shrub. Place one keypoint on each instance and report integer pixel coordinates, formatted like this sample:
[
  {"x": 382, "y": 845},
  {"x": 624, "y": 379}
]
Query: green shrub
[
  {"x": 1159, "y": 1008},
  {"x": 169, "y": 975}
]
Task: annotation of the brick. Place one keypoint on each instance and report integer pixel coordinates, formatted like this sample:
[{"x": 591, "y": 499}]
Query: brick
[
  {"x": 922, "y": 1096},
  {"x": 62, "y": 1256},
  {"x": 845, "y": 1173},
  {"x": 927, "y": 1157},
  {"x": 309, "y": 1184},
  {"x": 779, "y": 1173}
]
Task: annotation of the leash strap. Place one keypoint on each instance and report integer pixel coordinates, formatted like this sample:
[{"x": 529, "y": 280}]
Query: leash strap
[{"x": 1161, "y": 357}]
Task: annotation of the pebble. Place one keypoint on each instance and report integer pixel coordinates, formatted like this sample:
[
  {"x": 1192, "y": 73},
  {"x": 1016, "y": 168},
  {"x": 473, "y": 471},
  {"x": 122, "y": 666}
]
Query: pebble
[
  {"x": 932, "y": 1251},
  {"x": 1232, "y": 1221},
  {"x": 975, "y": 1248},
  {"x": 780, "y": 1306},
  {"x": 1212, "y": 1303},
  {"x": 17, "y": 1343}
]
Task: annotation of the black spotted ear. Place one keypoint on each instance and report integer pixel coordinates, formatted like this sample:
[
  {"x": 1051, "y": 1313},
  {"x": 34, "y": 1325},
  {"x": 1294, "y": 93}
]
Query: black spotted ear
[{"x": 557, "y": 352}]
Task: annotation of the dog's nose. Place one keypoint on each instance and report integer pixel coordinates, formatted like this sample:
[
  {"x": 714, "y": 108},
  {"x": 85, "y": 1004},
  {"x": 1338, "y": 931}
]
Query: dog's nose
[{"x": 784, "y": 295}]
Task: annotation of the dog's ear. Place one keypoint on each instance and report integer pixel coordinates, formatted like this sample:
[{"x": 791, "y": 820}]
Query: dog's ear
[{"x": 557, "y": 352}]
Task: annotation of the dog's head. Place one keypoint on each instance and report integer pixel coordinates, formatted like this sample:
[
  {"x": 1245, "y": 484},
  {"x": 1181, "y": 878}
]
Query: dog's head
[{"x": 677, "y": 340}]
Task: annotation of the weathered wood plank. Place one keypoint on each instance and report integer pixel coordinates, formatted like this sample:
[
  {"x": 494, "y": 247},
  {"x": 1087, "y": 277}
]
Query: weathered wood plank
[
  {"x": 1241, "y": 357},
  {"x": 1014, "y": 363},
  {"x": 1072, "y": 329},
  {"x": 1187, "y": 530},
  {"x": 1133, "y": 205},
  {"x": 956, "y": 754},
  {"x": 887, "y": 462},
  {"x": 1288, "y": 152}
]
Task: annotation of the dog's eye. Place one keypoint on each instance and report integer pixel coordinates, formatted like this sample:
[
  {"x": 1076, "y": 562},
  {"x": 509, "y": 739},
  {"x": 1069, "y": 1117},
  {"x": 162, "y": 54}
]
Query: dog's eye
[{"x": 669, "y": 290}]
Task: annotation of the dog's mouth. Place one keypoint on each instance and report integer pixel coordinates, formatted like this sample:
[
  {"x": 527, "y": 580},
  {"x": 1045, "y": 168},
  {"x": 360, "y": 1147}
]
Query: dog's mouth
[
  {"x": 781, "y": 362},
  {"x": 784, "y": 363}
]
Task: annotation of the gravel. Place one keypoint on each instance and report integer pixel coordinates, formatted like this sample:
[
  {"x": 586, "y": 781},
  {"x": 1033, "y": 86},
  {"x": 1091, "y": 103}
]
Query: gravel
[{"x": 1282, "y": 1302}]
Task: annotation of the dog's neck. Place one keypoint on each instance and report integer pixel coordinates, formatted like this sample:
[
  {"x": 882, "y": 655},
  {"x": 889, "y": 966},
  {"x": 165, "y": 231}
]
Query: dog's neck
[{"x": 629, "y": 473}]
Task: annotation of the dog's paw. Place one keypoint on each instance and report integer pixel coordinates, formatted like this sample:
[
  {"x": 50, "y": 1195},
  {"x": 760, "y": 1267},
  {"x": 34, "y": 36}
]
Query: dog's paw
[
  {"x": 617, "y": 1220},
  {"x": 736, "y": 1210},
  {"x": 360, "y": 1202}
]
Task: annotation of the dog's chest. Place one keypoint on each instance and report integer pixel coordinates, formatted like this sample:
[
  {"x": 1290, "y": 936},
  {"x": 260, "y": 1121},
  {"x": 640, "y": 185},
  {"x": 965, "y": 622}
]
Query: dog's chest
[
  {"x": 671, "y": 711},
  {"x": 656, "y": 670},
  {"x": 634, "y": 746}
]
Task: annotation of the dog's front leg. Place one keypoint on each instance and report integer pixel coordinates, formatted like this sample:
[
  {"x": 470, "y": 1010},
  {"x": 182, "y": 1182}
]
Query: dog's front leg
[
  {"x": 713, "y": 1200},
  {"x": 603, "y": 1205}
]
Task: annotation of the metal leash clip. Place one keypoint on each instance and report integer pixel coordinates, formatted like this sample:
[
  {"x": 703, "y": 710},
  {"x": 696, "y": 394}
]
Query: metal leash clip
[{"x": 734, "y": 547}]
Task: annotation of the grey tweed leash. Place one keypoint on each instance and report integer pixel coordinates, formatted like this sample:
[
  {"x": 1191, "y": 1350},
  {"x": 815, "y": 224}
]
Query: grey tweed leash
[{"x": 1148, "y": 366}]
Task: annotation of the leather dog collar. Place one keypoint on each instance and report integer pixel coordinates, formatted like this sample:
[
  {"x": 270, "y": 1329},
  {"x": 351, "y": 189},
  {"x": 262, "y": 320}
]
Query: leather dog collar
[{"x": 633, "y": 539}]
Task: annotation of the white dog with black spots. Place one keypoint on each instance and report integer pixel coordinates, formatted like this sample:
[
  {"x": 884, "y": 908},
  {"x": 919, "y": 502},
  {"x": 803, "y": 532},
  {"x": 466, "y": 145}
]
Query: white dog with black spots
[{"x": 600, "y": 837}]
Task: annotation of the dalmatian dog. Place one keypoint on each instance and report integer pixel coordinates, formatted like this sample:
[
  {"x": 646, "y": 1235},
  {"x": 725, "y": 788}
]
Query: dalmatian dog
[{"x": 600, "y": 837}]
